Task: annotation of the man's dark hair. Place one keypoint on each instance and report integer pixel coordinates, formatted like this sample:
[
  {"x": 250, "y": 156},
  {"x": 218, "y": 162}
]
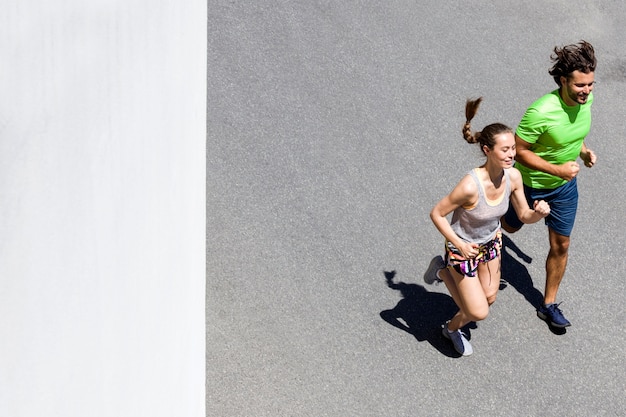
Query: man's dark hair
[{"x": 577, "y": 57}]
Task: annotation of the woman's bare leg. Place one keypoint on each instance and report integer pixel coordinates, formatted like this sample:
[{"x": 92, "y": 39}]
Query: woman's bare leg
[{"x": 469, "y": 296}]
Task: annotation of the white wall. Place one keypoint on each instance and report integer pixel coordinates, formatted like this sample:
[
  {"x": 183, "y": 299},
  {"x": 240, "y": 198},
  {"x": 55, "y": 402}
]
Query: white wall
[{"x": 102, "y": 207}]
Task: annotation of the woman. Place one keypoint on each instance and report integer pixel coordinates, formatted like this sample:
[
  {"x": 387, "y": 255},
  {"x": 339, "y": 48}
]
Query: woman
[{"x": 471, "y": 270}]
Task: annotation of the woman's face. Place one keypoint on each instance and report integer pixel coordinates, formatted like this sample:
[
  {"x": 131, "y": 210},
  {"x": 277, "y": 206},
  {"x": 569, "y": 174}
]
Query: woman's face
[{"x": 503, "y": 152}]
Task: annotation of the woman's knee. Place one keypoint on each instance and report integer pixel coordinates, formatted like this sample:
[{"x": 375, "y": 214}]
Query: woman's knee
[{"x": 478, "y": 313}]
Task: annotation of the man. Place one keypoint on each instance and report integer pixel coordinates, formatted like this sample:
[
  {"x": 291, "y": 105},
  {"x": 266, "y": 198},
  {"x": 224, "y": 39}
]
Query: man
[{"x": 549, "y": 139}]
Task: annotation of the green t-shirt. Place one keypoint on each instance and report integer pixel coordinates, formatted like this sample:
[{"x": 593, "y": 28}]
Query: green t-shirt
[{"x": 556, "y": 133}]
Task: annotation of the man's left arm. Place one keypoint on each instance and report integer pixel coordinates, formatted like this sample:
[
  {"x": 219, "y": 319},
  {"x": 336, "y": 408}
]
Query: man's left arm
[{"x": 588, "y": 156}]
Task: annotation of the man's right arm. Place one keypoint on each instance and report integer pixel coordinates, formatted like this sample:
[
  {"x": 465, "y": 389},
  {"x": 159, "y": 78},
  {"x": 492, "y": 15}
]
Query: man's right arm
[{"x": 527, "y": 157}]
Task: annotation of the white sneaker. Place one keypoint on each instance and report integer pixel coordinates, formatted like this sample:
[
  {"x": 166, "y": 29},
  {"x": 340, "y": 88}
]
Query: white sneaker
[
  {"x": 461, "y": 344},
  {"x": 432, "y": 273}
]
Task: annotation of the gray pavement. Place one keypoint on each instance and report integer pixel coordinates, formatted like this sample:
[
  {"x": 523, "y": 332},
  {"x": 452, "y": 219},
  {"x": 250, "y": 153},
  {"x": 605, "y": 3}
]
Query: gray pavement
[{"x": 333, "y": 128}]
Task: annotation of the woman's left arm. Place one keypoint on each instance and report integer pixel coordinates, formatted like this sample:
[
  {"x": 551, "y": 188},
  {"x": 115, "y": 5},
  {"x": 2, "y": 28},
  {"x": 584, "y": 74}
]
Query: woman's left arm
[{"x": 527, "y": 215}]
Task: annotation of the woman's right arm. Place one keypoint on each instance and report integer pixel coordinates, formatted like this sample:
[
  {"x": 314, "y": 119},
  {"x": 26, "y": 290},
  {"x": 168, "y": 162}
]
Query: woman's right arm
[{"x": 464, "y": 194}]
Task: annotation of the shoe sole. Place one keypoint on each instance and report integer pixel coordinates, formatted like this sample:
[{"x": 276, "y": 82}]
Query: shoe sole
[
  {"x": 435, "y": 280},
  {"x": 544, "y": 317}
]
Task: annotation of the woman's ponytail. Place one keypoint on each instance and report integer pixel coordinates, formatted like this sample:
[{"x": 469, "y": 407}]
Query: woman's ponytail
[{"x": 471, "y": 107}]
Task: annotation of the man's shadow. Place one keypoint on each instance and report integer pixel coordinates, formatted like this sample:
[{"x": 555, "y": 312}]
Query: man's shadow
[
  {"x": 422, "y": 313},
  {"x": 516, "y": 274}
]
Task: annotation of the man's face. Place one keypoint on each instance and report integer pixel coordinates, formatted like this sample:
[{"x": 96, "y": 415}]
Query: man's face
[{"x": 576, "y": 88}]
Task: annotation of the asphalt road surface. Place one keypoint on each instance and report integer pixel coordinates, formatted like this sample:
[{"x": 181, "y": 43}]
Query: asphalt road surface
[{"x": 333, "y": 128}]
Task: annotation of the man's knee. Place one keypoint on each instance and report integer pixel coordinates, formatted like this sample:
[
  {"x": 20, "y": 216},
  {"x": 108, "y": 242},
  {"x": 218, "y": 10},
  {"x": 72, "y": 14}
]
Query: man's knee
[{"x": 559, "y": 244}]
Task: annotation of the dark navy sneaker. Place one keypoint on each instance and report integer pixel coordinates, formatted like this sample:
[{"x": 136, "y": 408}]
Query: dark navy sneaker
[{"x": 553, "y": 315}]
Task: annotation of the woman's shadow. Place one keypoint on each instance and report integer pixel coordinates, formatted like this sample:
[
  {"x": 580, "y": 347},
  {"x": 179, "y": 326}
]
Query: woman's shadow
[
  {"x": 422, "y": 313},
  {"x": 516, "y": 274}
]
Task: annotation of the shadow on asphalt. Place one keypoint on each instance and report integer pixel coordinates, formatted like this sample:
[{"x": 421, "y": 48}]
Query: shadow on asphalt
[
  {"x": 514, "y": 273},
  {"x": 421, "y": 313}
]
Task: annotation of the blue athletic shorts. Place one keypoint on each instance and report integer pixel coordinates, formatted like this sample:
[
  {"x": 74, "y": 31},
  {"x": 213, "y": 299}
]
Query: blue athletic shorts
[{"x": 563, "y": 203}]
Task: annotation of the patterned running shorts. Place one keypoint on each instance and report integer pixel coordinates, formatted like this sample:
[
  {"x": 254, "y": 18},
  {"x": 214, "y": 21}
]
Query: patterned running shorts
[{"x": 469, "y": 267}]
